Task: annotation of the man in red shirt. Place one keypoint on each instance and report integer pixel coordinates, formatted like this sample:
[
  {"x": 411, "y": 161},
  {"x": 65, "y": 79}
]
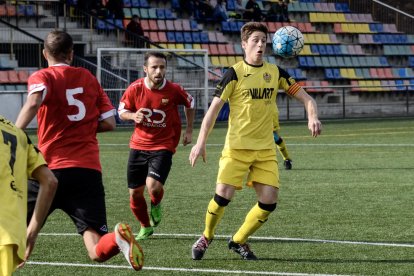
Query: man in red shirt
[
  {"x": 152, "y": 103},
  {"x": 71, "y": 108}
]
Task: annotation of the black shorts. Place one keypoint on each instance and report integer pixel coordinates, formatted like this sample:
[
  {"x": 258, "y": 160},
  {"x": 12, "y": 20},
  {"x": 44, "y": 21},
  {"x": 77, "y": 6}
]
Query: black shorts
[
  {"x": 142, "y": 163},
  {"x": 80, "y": 194}
]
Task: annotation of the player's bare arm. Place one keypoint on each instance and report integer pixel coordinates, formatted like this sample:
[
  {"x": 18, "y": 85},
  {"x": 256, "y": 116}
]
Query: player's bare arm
[
  {"x": 188, "y": 134},
  {"x": 199, "y": 149},
  {"x": 314, "y": 125},
  {"x": 48, "y": 185},
  {"x": 29, "y": 110}
]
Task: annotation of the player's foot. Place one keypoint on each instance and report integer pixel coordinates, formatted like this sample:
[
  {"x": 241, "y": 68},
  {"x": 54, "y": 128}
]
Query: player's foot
[
  {"x": 200, "y": 247},
  {"x": 155, "y": 215},
  {"x": 288, "y": 164},
  {"x": 242, "y": 249},
  {"x": 144, "y": 233},
  {"x": 129, "y": 247}
]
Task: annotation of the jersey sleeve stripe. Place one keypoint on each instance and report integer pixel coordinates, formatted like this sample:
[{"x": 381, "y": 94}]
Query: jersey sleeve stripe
[{"x": 107, "y": 114}]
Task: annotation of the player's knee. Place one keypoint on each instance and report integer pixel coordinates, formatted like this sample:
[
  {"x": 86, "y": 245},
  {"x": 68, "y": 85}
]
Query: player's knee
[
  {"x": 268, "y": 207},
  {"x": 221, "y": 201}
]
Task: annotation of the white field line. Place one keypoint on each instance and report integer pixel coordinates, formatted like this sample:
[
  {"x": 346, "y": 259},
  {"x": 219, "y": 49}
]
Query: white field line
[
  {"x": 296, "y": 144},
  {"x": 189, "y": 270},
  {"x": 267, "y": 239}
]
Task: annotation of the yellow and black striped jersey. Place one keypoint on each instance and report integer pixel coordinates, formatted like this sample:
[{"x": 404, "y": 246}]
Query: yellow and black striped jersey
[{"x": 251, "y": 92}]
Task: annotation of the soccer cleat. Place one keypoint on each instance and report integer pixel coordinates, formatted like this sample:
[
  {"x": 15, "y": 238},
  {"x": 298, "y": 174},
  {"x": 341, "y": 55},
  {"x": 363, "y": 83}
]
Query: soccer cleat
[
  {"x": 200, "y": 247},
  {"x": 144, "y": 233},
  {"x": 155, "y": 215},
  {"x": 128, "y": 246},
  {"x": 288, "y": 164},
  {"x": 242, "y": 249}
]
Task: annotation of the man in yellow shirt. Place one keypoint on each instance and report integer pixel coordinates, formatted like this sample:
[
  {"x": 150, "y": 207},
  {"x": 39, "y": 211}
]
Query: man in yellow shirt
[
  {"x": 250, "y": 86},
  {"x": 20, "y": 160}
]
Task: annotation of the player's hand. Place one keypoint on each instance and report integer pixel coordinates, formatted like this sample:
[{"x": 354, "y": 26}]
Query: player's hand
[
  {"x": 138, "y": 117},
  {"x": 187, "y": 137},
  {"x": 29, "y": 248},
  {"x": 315, "y": 127},
  {"x": 196, "y": 151}
]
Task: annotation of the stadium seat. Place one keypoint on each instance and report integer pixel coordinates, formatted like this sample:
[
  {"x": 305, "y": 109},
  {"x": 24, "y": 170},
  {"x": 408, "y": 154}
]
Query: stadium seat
[
  {"x": 178, "y": 25},
  {"x": 204, "y": 37},
  {"x": 161, "y": 25},
  {"x": 171, "y": 36},
  {"x": 225, "y": 27},
  {"x": 4, "y": 77},
  {"x": 213, "y": 50},
  {"x": 162, "y": 37},
  {"x": 152, "y": 25},
  {"x": 23, "y": 76},
  {"x": 196, "y": 37},
  {"x": 169, "y": 14}
]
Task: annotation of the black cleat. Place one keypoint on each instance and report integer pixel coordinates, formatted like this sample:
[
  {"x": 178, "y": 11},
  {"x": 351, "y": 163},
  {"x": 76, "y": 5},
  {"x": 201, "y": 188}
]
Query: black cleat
[
  {"x": 288, "y": 164},
  {"x": 242, "y": 249}
]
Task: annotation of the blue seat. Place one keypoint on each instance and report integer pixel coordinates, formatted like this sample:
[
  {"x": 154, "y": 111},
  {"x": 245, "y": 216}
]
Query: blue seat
[
  {"x": 160, "y": 13},
  {"x": 179, "y": 37},
  {"x": 225, "y": 27},
  {"x": 127, "y": 3},
  {"x": 411, "y": 61},
  {"x": 314, "y": 48},
  {"x": 204, "y": 37},
  {"x": 30, "y": 10},
  {"x": 310, "y": 61},
  {"x": 322, "y": 49},
  {"x": 170, "y": 37},
  {"x": 187, "y": 37},
  {"x": 144, "y": 4},
  {"x": 330, "y": 50},
  {"x": 119, "y": 24},
  {"x": 400, "y": 84},
  {"x": 100, "y": 24},
  {"x": 336, "y": 73},
  {"x": 194, "y": 25},
  {"x": 169, "y": 14},
  {"x": 233, "y": 26},
  {"x": 383, "y": 61},
  {"x": 135, "y": 3},
  {"x": 240, "y": 24},
  {"x": 329, "y": 74},
  {"x": 196, "y": 37},
  {"x": 175, "y": 4},
  {"x": 299, "y": 74},
  {"x": 337, "y": 49},
  {"x": 302, "y": 62}
]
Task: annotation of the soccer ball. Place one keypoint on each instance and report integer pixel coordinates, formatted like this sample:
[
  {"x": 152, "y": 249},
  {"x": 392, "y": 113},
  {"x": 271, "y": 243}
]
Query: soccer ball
[{"x": 287, "y": 42}]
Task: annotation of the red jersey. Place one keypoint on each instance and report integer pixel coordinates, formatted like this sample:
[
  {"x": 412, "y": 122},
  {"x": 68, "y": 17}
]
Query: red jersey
[
  {"x": 161, "y": 127},
  {"x": 73, "y": 102}
]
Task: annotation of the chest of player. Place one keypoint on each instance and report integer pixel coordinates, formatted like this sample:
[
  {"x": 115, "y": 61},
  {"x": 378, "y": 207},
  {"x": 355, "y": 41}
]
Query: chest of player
[{"x": 256, "y": 88}]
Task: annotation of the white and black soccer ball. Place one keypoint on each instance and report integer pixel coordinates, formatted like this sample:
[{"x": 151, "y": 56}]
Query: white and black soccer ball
[{"x": 287, "y": 42}]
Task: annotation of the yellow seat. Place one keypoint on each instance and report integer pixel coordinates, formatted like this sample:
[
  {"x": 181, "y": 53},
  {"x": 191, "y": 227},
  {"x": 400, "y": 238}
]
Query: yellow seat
[{"x": 215, "y": 61}]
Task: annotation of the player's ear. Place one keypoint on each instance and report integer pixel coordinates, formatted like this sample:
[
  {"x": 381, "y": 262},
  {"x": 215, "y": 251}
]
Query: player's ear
[{"x": 44, "y": 52}]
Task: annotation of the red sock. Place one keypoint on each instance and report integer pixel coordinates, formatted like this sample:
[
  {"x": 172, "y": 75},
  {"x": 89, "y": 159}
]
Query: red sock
[
  {"x": 140, "y": 211},
  {"x": 107, "y": 247},
  {"x": 157, "y": 197}
]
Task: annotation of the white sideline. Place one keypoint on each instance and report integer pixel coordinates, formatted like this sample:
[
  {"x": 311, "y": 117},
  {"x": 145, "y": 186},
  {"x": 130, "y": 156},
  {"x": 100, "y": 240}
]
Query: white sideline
[
  {"x": 192, "y": 270},
  {"x": 267, "y": 239},
  {"x": 300, "y": 144}
]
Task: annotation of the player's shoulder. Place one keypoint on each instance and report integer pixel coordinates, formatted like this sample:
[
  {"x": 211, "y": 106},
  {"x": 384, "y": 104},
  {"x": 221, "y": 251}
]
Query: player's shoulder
[{"x": 174, "y": 85}]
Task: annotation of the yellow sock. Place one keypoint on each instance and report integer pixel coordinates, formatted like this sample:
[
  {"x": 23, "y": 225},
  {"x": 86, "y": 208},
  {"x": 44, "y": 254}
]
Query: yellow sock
[
  {"x": 213, "y": 216},
  {"x": 283, "y": 150},
  {"x": 254, "y": 220}
]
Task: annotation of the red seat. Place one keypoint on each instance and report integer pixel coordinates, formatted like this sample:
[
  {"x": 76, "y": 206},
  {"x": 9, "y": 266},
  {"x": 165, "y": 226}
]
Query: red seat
[
  {"x": 4, "y": 77},
  {"x": 230, "y": 49},
  {"x": 162, "y": 37},
  {"x": 145, "y": 24},
  {"x": 222, "y": 49},
  {"x": 23, "y": 75},
  {"x": 153, "y": 36},
  {"x": 153, "y": 26},
  {"x": 13, "y": 76},
  {"x": 213, "y": 49}
]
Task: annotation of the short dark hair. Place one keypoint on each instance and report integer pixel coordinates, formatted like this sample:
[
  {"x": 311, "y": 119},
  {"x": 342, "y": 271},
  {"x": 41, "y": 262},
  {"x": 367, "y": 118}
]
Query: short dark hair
[
  {"x": 154, "y": 54},
  {"x": 251, "y": 27},
  {"x": 135, "y": 16},
  {"x": 59, "y": 44}
]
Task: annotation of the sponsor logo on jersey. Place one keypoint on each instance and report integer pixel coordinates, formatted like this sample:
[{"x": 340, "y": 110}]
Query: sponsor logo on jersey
[{"x": 261, "y": 93}]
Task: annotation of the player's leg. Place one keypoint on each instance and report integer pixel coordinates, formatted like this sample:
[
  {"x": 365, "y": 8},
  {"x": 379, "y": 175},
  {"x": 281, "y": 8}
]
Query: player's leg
[
  {"x": 263, "y": 171},
  {"x": 159, "y": 166},
  {"x": 84, "y": 202},
  {"x": 137, "y": 171},
  {"x": 281, "y": 146},
  {"x": 231, "y": 171}
]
